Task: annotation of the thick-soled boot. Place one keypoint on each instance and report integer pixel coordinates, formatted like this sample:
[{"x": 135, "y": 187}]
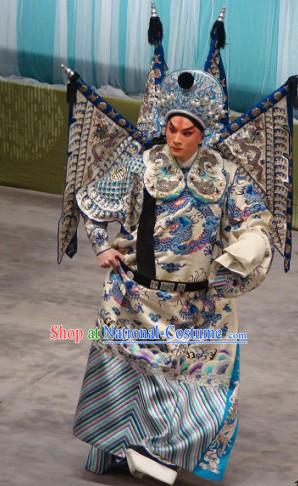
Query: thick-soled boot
[
  {"x": 101, "y": 462},
  {"x": 141, "y": 462}
]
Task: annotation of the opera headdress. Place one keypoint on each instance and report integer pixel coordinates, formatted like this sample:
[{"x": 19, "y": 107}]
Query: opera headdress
[{"x": 197, "y": 95}]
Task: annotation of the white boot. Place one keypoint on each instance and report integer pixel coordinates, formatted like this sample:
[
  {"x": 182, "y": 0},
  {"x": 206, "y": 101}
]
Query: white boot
[{"x": 139, "y": 465}]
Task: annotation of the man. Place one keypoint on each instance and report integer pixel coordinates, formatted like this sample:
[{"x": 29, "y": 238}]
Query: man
[
  {"x": 194, "y": 233},
  {"x": 183, "y": 138}
]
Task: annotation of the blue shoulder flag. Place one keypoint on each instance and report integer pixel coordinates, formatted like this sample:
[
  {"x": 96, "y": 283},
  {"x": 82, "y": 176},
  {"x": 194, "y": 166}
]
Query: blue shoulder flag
[
  {"x": 260, "y": 143},
  {"x": 148, "y": 121},
  {"x": 214, "y": 64},
  {"x": 98, "y": 134}
]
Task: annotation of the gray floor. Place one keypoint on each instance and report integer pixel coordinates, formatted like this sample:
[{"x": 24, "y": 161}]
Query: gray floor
[{"x": 40, "y": 379}]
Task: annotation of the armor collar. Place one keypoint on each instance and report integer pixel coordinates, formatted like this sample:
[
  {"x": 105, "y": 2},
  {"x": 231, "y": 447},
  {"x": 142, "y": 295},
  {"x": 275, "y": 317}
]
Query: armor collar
[{"x": 164, "y": 178}]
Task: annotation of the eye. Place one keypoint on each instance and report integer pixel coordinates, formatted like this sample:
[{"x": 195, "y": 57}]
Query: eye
[
  {"x": 187, "y": 134},
  {"x": 172, "y": 129}
]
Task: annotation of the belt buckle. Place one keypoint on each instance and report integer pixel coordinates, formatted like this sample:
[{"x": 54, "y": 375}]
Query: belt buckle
[
  {"x": 181, "y": 287},
  {"x": 154, "y": 284},
  {"x": 169, "y": 286}
]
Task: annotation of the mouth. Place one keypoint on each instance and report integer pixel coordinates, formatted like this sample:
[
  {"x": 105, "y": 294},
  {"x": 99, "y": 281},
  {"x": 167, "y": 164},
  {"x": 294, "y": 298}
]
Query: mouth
[{"x": 177, "y": 149}]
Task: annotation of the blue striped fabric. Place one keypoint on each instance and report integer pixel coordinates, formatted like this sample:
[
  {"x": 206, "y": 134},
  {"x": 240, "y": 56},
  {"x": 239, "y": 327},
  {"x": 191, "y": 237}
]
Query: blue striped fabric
[
  {"x": 98, "y": 461},
  {"x": 119, "y": 405}
]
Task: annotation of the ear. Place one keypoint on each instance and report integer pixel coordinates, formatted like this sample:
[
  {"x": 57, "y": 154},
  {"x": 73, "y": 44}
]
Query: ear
[{"x": 201, "y": 135}]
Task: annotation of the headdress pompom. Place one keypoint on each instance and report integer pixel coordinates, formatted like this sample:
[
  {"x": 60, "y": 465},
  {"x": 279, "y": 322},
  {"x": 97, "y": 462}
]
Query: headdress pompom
[{"x": 185, "y": 80}]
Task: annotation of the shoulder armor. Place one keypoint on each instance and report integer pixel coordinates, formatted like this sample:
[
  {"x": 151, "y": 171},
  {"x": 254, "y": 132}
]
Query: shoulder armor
[
  {"x": 118, "y": 196},
  {"x": 206, "y": 179}
]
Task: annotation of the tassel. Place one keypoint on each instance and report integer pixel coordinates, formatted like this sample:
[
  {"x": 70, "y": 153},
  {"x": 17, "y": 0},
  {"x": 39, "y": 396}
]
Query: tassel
[
  {"x": 71, "y": 92},
  {"x": 73, "y": 246},
  {"x": 218, "y": 33},
  {"x": 293, "y": 93},
  {"x": 155, "y": 31}
]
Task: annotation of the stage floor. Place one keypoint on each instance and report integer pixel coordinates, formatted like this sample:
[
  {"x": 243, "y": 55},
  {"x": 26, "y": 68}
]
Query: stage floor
[{"x": 41, "y": 379}]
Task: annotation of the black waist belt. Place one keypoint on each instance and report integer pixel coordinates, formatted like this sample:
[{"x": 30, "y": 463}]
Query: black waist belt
[{"x": 164, "y": 284}]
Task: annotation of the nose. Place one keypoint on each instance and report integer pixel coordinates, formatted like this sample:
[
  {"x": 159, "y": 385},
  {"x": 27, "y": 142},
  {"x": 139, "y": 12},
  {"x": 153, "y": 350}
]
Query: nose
[{"x": 177, "y": 139}]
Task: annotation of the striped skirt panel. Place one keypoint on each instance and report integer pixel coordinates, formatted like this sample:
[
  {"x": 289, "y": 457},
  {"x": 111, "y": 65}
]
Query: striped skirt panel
[{"x": 119, "y": 406}]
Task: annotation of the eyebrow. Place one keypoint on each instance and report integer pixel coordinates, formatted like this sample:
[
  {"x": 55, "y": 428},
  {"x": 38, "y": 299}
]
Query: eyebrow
[{"x": 184, "y": 129}]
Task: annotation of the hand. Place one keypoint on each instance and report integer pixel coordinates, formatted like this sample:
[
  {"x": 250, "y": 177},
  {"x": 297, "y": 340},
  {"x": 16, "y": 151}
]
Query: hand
[{"x": 110, "y": 258}]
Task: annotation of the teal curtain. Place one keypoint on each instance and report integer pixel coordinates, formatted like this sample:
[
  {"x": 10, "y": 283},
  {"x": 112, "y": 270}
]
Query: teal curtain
[
  {"x": 252, "y": 29},
  {"x": 106, "y": 41},
  {"x": 35, "y": 38}
]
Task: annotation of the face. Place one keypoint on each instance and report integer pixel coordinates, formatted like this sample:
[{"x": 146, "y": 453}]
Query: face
[{"x": 183, "y": 137}]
